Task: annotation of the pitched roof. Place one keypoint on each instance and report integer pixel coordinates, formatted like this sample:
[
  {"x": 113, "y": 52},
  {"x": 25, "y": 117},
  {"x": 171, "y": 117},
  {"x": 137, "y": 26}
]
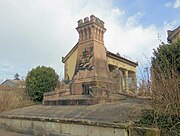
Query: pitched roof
[
  {"x": 109, "y": 54},
  {"x": 17, "y": 82},
  {"x": 122, "y": 59},
  {"x": 172, "y": 33},
  {"x": 69, "y": 53}
]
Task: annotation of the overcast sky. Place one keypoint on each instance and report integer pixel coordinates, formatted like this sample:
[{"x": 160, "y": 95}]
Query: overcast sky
[{"x": 40, "y": 32}]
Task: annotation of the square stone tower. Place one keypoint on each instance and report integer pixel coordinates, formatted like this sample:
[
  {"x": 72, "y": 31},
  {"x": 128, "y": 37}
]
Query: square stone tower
[{"x": 91, "y": 64}]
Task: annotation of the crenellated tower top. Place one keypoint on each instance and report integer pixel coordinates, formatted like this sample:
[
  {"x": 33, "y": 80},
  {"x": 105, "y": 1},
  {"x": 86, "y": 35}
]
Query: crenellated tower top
[{"x": 91, "y": 29}]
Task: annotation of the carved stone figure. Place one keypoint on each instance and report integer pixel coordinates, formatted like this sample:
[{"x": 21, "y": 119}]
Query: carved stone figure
[{"x": 85, "y": 61}]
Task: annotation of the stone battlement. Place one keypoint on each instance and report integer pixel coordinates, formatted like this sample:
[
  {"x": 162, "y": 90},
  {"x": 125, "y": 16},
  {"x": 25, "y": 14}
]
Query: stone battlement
[
  {"x": 88, "y": 20},
  {"x": 91, "y": 28}
]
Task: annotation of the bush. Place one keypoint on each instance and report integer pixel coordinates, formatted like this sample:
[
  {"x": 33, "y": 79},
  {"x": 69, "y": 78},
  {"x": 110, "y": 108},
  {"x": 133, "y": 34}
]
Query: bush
[
  {"x": 40, "y": 80},
  {"x": 166, "y": 60},
  {"x": 168, "y": 125},
  {"x": 166, "y": 79}
]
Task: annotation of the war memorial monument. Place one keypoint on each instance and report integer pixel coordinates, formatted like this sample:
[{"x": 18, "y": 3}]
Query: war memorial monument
[
  {"x": 94, "y": 99},
  {"x": 93, "y": 73}
]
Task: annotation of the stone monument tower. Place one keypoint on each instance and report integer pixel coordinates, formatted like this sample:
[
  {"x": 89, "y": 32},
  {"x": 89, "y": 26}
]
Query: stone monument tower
[
  {"x": 95, "y": 73},
  {"x": 91, "y": 64}
]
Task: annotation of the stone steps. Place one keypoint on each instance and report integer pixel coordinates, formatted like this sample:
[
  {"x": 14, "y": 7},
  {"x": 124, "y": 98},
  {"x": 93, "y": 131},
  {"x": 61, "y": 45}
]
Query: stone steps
[{"x": 82, "y": 100}]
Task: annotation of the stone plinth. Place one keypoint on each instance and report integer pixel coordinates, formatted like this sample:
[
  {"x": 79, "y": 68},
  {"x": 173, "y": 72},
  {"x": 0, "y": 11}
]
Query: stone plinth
[
  {"x": 64, "y": 90},
  {"x": 82, "y": 99}
]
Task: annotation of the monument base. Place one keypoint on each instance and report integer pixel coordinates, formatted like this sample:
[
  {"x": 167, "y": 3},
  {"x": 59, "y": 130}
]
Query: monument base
[
  {"x": 81, "y": 100},
  {"x": 83, "y": 92},
  {"x": 80, "y": 86}
]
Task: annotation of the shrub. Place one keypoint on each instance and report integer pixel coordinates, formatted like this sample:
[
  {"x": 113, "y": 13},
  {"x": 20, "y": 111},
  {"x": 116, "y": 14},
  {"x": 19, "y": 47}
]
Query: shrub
[
  {"x": 168, "y": 125},
  {"x": 166, "y": 61},
  {"x": 166, "y": 86},
  {"x": 166, "y": 79},
  {"x": 40, "y": 80}
]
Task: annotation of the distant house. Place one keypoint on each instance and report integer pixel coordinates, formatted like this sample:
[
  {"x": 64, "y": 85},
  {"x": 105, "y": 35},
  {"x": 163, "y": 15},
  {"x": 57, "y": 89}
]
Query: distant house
[
  {"x": 14, "y": 83},
  {"x": 174, "y": 35}
]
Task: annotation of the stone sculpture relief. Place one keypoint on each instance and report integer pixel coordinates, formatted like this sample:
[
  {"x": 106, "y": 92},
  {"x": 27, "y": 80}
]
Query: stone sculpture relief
[
  {"x": 86, "y": 59},
  {"x": 116, "y": 75}
]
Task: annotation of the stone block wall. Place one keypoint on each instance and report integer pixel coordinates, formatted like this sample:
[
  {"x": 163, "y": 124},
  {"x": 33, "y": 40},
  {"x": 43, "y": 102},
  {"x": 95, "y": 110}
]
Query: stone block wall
[{"x": 37, "y": 128}]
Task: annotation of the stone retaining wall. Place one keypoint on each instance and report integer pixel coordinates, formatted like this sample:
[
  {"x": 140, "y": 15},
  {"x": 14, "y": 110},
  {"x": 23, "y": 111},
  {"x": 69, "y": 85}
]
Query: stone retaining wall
[
  {"x": 46, "y": 128},
  {"x": 38, "y": 128}
]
